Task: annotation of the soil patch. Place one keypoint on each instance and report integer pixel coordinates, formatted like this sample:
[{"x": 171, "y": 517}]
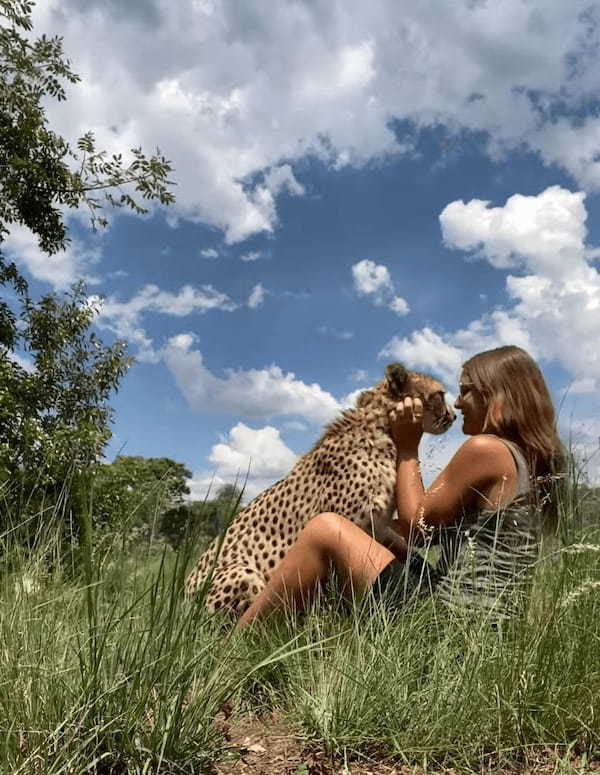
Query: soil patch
[{"x": 269, "y": 745}]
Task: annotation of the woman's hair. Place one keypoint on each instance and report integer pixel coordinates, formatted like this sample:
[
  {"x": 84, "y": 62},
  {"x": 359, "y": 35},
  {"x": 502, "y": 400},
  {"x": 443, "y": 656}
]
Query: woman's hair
[{"x": 519, "y": 408}]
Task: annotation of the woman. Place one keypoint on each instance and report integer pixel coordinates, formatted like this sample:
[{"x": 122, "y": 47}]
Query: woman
[{"x": 486, "y": 507}]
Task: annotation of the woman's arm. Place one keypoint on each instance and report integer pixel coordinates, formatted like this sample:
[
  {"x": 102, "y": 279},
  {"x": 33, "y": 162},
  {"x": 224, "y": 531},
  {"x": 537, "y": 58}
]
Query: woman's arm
[{"x": 482, "y": 470}]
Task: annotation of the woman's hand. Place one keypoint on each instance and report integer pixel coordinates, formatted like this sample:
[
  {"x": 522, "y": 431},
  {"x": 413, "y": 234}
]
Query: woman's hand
[{"x": 406, "y": 424}]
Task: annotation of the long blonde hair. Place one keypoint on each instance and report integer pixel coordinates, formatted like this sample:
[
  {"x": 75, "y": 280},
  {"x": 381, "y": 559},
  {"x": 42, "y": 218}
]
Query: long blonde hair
[{"x": 519, "y": 406}]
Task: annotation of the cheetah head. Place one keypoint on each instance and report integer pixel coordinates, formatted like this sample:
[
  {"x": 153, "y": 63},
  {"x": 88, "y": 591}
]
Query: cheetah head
[{"x": 438, "y": 415}]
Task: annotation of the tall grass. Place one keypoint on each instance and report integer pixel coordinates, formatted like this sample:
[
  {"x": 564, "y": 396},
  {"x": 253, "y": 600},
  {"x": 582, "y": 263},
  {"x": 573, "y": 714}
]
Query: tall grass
[
  {"x": 107, "y": 671},
  {"x": 105, "y": 667}
]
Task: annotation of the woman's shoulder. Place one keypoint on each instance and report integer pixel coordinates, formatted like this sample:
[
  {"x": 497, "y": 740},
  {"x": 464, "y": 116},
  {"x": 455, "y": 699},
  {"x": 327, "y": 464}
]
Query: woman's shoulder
[
  {"x": 488, "y": 444},
  {"x": 486, "y": 454}
]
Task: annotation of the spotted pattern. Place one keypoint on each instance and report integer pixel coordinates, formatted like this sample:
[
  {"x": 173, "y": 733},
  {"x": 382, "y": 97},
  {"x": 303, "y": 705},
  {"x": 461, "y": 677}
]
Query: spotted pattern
[{"x": 350, "y": 471}]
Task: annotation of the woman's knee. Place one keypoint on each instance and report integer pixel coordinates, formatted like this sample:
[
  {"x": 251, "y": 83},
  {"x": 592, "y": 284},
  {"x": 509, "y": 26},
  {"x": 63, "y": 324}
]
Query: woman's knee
[{"x": 325, "y": 528}]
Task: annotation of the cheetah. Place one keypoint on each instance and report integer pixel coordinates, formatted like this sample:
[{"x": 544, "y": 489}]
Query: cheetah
[{"x": 350, "y": 470}]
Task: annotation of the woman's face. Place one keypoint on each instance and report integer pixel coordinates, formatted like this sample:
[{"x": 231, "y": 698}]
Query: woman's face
[{"x": 472, "y": 405}]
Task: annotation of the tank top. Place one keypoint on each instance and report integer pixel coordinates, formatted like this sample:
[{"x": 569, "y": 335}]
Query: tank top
[{"x": 487, "y": 557}]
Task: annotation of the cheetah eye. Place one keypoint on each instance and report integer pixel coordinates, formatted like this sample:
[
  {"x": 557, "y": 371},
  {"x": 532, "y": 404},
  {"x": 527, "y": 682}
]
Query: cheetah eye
[{"x": 436, "y": 400}]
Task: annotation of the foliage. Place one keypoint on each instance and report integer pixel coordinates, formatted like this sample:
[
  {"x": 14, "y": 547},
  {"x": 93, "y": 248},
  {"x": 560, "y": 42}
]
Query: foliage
[
  {"x": 125, "y": 675},
  {"x": 208, "y": 517},
  {"x": 134, "y": 492},
  {"x": 54, "y": 417},
  {"x": 40, "y": 173}
]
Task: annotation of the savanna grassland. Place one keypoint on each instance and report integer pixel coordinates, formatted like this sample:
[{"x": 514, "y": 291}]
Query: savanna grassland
[{"x": 106, "y": 668}]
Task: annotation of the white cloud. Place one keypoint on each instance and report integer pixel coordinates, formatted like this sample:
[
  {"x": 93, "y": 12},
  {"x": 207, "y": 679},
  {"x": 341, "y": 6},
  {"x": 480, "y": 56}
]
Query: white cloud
[
  {"x": 335, "y": 333},
  {"x": 209, "y": 253},
  {"x": 124, "y": 318},
  {"x": 253, "y": 458},
  {"x": 544, "y": 234},
  {"x": 427, "y": 351},
  {"x": 399, "y": 306},
  {"x": 59, "y": 270},
  {"x": 584, "y": 385},
  {"x": 257, "y": 296},
  {"x": 349, "y": 400},
  {"x": 253, "y": 393},
  {"x": 204, "y": 485},
  {"x": 252, "y": 255},
  {"x": 374, "y": 281},
  {"x": 554, "y": 309},
  {"x": 371, "y": 278},
  {"x": 262, "y": 451},
  {"x": 359, "y": 375},
  {"x": 282, "y": 178},
  {"x": 235, "y": 99}
]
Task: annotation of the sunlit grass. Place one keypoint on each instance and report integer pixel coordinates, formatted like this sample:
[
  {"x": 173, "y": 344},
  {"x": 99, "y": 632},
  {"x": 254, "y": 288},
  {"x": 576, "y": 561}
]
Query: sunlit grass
[{"x": 111, "y": 667}]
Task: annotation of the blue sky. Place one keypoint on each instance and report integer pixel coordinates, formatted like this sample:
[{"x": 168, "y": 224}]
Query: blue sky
[{"x": 356, "y": 183}]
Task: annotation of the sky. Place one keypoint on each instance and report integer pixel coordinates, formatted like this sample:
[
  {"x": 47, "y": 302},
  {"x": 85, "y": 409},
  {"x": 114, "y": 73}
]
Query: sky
[{"x": 357, "y": 183}]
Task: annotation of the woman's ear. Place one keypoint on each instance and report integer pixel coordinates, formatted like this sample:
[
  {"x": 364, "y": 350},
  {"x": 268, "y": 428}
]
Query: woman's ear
[{"x": 397, "y": 377}]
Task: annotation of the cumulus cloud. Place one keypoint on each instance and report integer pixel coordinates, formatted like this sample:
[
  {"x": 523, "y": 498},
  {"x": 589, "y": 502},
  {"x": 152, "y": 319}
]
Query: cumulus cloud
[
  {"x": 257, "y": 296},
  {"x": 61, "y": 270},
  {"x": 371, "y": 278},
  {"x": 543, "y": 234},
  {"x": 260, "y": 393},
  {"x": 262, "y": 451},
  {"x": 554, "y": 289},
  {"x": 209, "y": 253},
  {"x": 425, "y": 349},
  {"x": 254, "y": 458},
  {"x": 123, "y": 318},
  {"x": 374, "y": 281},
  {"x": 236, "y": 98}
]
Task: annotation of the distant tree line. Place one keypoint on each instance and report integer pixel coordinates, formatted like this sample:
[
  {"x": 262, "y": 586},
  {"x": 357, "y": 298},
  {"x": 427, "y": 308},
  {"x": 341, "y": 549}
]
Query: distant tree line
[{"x": 145, "y": 499}]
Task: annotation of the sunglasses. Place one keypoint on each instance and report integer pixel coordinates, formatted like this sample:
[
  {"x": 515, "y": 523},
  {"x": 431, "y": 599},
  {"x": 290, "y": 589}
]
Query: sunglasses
[{"x": 464, "y": 388}]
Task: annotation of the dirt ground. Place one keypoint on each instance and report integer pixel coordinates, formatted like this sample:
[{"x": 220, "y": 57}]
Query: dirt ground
[{"x": 267, "y": 745}]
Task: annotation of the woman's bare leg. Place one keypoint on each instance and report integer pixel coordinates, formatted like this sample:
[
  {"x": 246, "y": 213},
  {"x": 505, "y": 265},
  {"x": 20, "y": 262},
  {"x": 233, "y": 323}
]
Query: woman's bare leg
[{"x": 327, "y": 541}]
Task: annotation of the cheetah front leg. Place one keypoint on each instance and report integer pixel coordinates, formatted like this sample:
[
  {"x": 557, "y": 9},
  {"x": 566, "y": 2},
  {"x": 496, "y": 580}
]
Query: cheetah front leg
[{"x": 233, "y": 588}]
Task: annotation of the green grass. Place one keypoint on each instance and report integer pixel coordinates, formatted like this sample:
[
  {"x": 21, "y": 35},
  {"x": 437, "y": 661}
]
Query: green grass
[{"x": 104, "y": 667}]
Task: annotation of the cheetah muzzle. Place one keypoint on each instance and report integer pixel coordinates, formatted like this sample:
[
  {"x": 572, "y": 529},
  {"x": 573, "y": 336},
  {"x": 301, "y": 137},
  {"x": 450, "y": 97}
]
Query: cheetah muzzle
[{"x": 350, "y": 470}]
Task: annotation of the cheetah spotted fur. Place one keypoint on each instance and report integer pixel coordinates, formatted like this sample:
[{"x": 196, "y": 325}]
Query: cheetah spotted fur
[{"x": 350, "y": 471}]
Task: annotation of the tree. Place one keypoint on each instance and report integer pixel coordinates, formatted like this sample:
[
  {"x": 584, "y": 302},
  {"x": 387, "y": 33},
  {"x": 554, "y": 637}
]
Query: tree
[
  {"x": 208, "y": 517},
  {"x": 57, "y": 415},
  {"x": 134, "y": 492},
  {"x": 41, "y": 175},
  {"x": 229, "y": 493}
]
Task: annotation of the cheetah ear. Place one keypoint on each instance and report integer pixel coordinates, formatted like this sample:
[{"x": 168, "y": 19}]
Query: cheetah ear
[{"x": 397, "y": 377}]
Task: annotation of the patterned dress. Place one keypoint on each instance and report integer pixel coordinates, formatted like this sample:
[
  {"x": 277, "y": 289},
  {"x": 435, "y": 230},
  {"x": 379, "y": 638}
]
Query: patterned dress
[{"x": 486, "y": 558}]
